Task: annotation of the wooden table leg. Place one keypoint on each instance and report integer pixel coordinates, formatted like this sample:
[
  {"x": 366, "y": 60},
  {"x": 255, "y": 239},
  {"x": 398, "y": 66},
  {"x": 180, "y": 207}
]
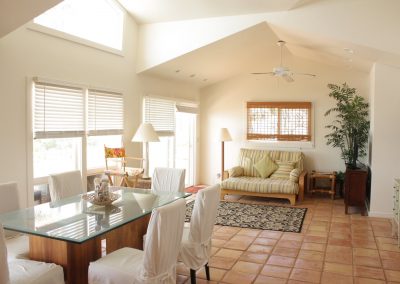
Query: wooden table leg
[
  {"x": 73, "y": 257},
  {"x": 128, "y": 235}
]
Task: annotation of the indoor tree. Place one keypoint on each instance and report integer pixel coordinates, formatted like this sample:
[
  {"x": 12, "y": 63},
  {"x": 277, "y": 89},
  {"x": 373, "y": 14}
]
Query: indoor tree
[{"x": 350, "y": 128}]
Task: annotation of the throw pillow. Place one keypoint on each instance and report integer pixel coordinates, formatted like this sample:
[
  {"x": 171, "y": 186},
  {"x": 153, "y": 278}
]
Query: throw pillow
[
  {"x": 235, "y": 172},
  {"x": 265, "y": 167},
  {"x": 284, "y": 169},
  {"x": 294, "y": 175}
]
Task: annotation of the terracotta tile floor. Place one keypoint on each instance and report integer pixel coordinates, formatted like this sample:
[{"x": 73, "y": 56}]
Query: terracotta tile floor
[{"x": 331, "y": 248}]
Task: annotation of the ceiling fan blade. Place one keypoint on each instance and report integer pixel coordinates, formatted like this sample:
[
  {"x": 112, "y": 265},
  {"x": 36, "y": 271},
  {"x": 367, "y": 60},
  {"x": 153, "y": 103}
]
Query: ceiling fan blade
[
  {"x": 306, "y": 74},
  {"x": 288, "y": 78},
  {"x": 262, "y": 73}
]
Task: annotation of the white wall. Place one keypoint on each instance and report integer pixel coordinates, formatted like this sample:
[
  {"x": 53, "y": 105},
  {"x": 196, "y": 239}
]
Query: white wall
[
  {"x": 385, "y": 153},
  {"x": 25, "y": 53},
  {"x": 224, "y": 105}
]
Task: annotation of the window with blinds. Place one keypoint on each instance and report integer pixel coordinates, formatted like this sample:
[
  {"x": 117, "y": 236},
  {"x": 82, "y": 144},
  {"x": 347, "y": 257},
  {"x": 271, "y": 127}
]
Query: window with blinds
[
  {"x": 58, "y": 111},
  {"x": 105, "y": 113},
  {"x": 161, "y": 114},
  {"x": 279, "y": 121}
]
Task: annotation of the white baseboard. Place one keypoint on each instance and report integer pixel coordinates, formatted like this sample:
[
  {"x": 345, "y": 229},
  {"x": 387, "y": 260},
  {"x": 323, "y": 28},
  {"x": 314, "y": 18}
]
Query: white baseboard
[{"x": 380, "y": 214}]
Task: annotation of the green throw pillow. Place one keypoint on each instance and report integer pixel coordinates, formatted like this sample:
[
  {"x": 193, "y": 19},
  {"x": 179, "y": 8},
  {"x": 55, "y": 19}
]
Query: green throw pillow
[
  {"x": 235, "y": 172},
  {"x": 265, "y": 167},
  {"x": 284, "y": 169}
]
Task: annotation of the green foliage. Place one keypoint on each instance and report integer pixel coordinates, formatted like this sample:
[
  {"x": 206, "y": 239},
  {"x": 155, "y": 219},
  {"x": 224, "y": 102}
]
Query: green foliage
[{"x": 350, "y": 128}]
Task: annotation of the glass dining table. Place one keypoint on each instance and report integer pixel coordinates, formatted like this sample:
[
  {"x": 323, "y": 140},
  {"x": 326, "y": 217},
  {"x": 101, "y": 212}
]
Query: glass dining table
[{"x": 70, "y": 231}]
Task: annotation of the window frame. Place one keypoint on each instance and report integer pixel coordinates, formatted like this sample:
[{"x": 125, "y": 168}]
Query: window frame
[
  {"x": 80, "y": 40},
  {"x": 84, "y": 137},
  {"x": 280, "y": 138}
]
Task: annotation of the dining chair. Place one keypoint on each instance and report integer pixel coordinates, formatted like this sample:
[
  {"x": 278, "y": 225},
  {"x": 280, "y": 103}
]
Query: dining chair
[
  {"x": 65, "y": 184},
  {"x": 168, "y": 179},
  {"x": 17, "y": 244},
  {"x": 157, "y": 262},
  {"x": 27, "y": 271},
  {"x": 128, "y": 175},
  {"x": 196, "y": 241}
]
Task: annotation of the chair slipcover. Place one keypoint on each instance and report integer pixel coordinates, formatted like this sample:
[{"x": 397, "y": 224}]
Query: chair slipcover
[
  {"x": 17, "y": 244},
  {"x": 168, "y": 179},
  {"x": 196, "y": 245},
  {"x": 21, "y": 271},
  {"x": 64, "y": 185},
  {"x": 157, "y": 263}
]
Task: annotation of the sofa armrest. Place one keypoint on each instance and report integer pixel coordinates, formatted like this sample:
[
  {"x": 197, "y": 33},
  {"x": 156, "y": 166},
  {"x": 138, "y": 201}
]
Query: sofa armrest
[
  {"x": 302, "y": 184},
  {"x": 225, "y": 175}
]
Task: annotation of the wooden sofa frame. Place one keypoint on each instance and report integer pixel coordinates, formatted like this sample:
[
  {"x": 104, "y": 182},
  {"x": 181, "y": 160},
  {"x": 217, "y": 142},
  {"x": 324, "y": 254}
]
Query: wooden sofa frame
[{"x": 291, "y": 197}]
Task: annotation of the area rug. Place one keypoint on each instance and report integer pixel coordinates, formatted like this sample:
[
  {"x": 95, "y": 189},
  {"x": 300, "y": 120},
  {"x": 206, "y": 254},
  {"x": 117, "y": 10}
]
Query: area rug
[{"x": 257, "y": 216}]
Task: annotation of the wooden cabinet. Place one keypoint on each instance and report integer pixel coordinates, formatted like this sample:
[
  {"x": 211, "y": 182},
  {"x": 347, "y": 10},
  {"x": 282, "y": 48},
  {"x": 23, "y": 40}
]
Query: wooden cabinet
[{"x": 355, "y": 185}]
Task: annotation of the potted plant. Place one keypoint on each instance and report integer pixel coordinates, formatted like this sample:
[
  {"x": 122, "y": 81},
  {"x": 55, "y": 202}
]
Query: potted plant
[{"x": 350, "y": 128}]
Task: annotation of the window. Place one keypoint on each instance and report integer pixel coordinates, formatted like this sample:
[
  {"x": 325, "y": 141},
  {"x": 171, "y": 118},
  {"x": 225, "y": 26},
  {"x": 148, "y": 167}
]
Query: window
[
  {"x": 99, "y": 21},
  {"x": 175, "y": 123},
  {"x": 71, "y": 125},
  {"x": 279, "y": 121}
]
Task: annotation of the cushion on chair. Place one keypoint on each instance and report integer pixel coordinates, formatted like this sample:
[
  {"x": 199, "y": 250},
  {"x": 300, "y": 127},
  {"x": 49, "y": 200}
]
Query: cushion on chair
[
  {"x": 64, "y": 185},
  {"x": 34, "y": 272},
  {"x": 236, "y": 171},
  {"x": 196, "y": 247},
  {"x": 265, "y": 167},
  {"x": 284, "y": 169}
]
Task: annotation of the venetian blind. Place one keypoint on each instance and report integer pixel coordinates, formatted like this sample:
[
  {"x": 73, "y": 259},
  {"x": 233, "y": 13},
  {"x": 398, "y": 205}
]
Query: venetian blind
[
  {"x": 58, "y": 111},
  {"x": 105, "y": 113},
  {"x": 161, "y": 114},
  {"x": 279, "y": 121}
]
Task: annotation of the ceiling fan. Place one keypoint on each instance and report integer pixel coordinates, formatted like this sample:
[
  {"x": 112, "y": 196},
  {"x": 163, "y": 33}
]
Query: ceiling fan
[{"x": 282, "y": 71}]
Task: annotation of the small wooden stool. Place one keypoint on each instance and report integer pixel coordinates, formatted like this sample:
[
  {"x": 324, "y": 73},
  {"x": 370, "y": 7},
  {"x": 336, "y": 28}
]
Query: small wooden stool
[{"x": 331, "y": 176}]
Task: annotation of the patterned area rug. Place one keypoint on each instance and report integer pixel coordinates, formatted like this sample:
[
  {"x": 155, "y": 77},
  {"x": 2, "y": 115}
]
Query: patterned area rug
[{"x": 257, "y": 216}]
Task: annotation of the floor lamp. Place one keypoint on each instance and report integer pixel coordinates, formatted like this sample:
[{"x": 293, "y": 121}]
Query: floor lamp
[
  {"x": 224, "y": 136},
  {"x": 146, "y": 134}
]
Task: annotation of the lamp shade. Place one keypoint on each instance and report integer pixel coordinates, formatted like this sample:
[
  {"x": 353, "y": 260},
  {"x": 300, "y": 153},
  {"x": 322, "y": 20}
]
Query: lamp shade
[
  {"x": 225, "y": 135},
  {"x": 145, "y": 133}
]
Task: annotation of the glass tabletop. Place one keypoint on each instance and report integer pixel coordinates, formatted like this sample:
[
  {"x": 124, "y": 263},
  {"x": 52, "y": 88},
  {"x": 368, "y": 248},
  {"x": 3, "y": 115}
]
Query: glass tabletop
[{"x": 76, "y": 220}]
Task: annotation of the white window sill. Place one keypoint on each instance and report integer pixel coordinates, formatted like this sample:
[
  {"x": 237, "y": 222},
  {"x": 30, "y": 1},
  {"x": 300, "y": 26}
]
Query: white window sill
[{"x": 295, "y": 145}]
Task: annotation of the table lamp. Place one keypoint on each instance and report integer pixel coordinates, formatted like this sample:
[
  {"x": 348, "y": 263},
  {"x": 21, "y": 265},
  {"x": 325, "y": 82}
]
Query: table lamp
[
  {"x": 224, "y": 136},
  {"x": 146, "y": 134}
]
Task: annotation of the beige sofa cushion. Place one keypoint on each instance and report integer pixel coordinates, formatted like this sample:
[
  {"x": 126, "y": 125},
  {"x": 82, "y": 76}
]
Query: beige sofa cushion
[
  {"x": 260, "y": 185},
  {"x": 249, "y": 157}
]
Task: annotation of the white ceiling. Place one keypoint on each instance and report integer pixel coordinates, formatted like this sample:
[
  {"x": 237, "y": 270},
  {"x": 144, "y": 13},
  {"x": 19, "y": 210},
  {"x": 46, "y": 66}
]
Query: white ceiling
[{"x": 152, "y": 11}]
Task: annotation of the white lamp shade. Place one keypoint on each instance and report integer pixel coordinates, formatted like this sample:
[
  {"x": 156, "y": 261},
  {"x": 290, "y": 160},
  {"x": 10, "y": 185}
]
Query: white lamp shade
[
  {"x": 145, "y": 133},
  {"x": 225, "y": 135}
]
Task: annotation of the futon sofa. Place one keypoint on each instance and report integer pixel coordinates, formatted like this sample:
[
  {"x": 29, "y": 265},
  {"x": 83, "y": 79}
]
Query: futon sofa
[{"x": 286, "y": 179}]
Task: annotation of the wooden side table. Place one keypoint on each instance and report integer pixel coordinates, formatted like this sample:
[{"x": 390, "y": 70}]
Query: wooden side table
[{"x": 314, "y": 187}]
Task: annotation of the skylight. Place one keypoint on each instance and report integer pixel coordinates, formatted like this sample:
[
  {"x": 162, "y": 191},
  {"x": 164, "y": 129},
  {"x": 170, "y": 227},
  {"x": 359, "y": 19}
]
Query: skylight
[{"x": 99, "y": 21}]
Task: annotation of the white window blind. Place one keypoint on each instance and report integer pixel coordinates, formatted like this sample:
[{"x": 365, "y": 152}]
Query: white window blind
[
  {"x": 58, "y": 111},
  {"x": 105, "y": 113},
  {"x": 161, "y": 114}
]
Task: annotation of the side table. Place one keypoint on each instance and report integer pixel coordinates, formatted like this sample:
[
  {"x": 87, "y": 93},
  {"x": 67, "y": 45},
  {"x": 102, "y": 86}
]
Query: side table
[{"x": 315, "y": 187}]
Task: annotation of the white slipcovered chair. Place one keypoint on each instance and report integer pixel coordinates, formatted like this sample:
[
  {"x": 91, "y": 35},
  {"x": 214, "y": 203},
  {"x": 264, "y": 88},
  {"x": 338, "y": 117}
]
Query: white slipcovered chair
[
  {"x": 168, "y": 179},
  {"x": 157, "y": 263},
  {"x": 22, "y": 271},
  {"x": 196, "y": 242},
  {"x": 65, "y": 184},
  {"x": 17, "y": 244}
]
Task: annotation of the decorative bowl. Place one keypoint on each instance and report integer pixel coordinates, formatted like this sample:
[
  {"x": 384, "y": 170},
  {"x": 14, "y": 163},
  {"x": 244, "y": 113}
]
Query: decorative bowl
[{"x": 90, "y": 197}]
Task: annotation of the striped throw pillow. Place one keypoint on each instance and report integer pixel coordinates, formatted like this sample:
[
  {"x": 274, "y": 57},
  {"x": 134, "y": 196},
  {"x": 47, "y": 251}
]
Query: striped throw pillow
[
  {"x": 294, "y": 175},
  {"x": 235, "y": 172},
  {"x": 284, "y": 169}
]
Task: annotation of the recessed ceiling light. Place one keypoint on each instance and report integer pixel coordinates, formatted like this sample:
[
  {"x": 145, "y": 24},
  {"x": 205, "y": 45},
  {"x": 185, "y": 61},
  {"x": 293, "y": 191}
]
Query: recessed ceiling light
[
  {"x": 348, "y": 50},
  {"x": 177, "y": 70},
  {"x": 192, "y": 76},
  {"x": 204, "y": 80}
]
